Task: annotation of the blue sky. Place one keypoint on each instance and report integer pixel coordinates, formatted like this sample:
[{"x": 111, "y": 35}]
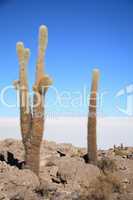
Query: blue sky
[{"x": 83, "y": 34}]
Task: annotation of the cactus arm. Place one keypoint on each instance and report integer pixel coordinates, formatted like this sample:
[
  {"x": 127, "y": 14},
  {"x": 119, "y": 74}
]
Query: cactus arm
[
  {"x": 92, "y": 120},
  {"x": 26, "y": 57},
  {"x": 22, "y": 54},
  {"x": 42, "y": 80},
  {"x": 23, "y": 57},
  {"x": 38, "y": 100},
  {"x": 43, "y": 40}
]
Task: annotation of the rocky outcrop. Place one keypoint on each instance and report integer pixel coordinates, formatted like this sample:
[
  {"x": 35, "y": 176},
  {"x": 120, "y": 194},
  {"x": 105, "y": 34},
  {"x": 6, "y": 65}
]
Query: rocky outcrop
[
  {"x": 17, "y": 184},
  {"x": 64, "y": 174}
]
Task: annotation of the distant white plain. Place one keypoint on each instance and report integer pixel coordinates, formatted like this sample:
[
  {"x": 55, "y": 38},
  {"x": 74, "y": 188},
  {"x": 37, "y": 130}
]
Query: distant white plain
[{"x": 111, "y": 130}]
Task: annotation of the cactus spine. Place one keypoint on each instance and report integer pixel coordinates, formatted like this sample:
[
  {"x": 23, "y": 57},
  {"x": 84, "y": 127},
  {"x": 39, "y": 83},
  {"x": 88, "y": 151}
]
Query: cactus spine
[
  {"x": 92, "y": 120},
  {"x": 32, "y": 117}
]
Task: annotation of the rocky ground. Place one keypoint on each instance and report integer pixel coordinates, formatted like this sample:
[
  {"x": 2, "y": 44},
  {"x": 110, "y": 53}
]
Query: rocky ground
[{"x": 64, "y": 174}]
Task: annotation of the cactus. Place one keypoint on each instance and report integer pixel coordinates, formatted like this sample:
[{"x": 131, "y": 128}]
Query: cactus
[
  {"x": 122, "y": 146},
  {"x": 92, "y": 120},
  {"x": 32, "y": 117}
]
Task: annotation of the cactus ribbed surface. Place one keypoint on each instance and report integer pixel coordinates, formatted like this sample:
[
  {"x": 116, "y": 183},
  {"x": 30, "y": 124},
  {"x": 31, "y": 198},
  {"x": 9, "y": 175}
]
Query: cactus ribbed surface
[
  {"x": 32, "y": 117},
  {"x": 92, "y": 120}
]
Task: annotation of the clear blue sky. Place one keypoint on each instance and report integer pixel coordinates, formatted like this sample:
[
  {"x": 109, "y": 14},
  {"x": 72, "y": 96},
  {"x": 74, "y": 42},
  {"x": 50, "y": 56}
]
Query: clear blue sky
[{"x": 83, "y": 34}]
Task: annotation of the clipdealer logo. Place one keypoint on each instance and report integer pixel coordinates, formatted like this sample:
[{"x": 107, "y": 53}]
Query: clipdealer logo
[
  {"x": 125, "y": 94},
  {"x": 74, "y": 99}
]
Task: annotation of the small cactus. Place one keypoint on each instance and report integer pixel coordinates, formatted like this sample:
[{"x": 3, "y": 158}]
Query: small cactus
[
  {"x": 122, "y": 146},
  {"x": 92, "y": 120},
  {"x": 32, "y": 118}
]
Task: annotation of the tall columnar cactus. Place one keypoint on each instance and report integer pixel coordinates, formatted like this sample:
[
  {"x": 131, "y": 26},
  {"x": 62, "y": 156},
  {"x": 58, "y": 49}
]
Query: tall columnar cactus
[
  {"x": 92, "y": 120},
  {"x": 32, "y": 116}
]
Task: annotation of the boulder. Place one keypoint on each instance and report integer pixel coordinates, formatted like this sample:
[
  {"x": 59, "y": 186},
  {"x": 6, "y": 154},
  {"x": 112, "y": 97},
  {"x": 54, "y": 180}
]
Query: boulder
[{"x": 17, "y": 184}]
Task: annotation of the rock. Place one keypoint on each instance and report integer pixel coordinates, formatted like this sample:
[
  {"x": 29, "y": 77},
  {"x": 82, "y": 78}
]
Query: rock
[
  {"x": 16, "y": 183},
  {"x": 3, "y": 196},
  {"x": 74, "y": 173},
  {"x": 13, "y": 146},
  {"x": 123, "y": 168},
  {"x": 61, "y": 153},
  {"x": 53, "y": 171},
  {"x": 64, "y": 175},
  {"x": 124, "y": 157},
  {"x": 126, "y": 181},
  {"x": 62, "y": 196},
  {"x": 130, "y": 156}
]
